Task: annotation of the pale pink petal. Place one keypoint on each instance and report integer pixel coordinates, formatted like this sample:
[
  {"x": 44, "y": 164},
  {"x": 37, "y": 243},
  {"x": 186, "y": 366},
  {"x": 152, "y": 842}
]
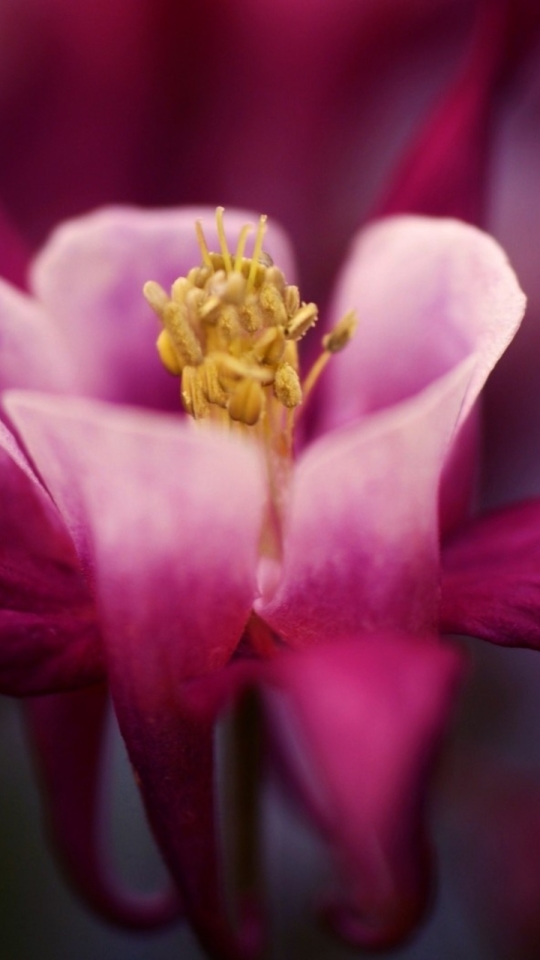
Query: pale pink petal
[
  {"x": 33, "y": 353},
  {"x": 68, "y": 733},
  {"x": 166, "y": 520},
  {"x": 89, "y": 278},
  {"x": 428, "y": 293},
  {"x": 361, "y": 723},
  {"x": 361, "y": 534}
]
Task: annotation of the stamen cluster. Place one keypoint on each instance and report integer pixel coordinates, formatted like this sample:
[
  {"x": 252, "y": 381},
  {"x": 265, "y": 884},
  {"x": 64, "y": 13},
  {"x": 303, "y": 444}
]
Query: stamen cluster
[{"x": 230, "y": 332}]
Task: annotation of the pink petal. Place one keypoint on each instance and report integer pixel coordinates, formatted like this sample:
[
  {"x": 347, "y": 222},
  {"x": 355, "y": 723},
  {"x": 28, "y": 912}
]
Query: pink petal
[
  {"x": 428, "y": 293},
  {"x": 361, "y": 534},
  {"x": 362, "y": 721},
  {"x": 491, "y": 578},
  {"x": 49, "y": 637},
  {"x": 68, "y": 733},
  {"x": 34, "y": 353},
  {"x": 168, "y": 520},
  {"x": 90, "y": 276},
  {"x": 165, "y": 518}
]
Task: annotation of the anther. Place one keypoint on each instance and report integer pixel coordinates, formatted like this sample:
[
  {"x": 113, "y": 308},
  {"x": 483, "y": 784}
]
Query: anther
[
  {"x": 247, "y": 402},
  {"x": 193, "y": 398},
  {"x": 339, "y": 337},
  {"x": 155, "y": 295},
  {"x": 167, "y": 354},
  {"x": 287, "y": 387},
  {"x": 302, "y": 321},
  {"x": 182, "y": 336}
]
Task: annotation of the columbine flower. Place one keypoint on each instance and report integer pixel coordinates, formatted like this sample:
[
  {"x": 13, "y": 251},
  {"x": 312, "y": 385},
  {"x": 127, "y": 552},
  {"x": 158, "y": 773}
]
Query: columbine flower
[{"x": 186, "y": 565}]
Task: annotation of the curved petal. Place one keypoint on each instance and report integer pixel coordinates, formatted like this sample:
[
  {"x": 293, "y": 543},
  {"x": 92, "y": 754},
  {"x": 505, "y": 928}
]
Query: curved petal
[
  {"x": 34, "y": 354},
  {"x": 165, "y": 518},
  {"x": 362, "y": 722},
  {"x": 67, "y": 732},
  {"x": 361, "y": 535},
  {"x": 428, "y": 293},
  {"x": 49, "y": 637},
  {"x": 89, "y": 278},
  {"x": 168, "y": 520},
  {"x": 170, "y": 735},
  {"x": 491, "y": 578}
]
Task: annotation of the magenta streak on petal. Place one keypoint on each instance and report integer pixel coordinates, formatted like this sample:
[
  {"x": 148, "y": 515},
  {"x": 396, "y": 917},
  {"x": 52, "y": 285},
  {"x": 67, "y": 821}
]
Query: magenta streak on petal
[
  {"x": 368, "y": 715},
  {"x": 444, "y": 173},
  {"x": 361, "y": 535},
  {"x": 89, "y": 279},
  {"x": 168, "y": 520},
  {"x": 491, "y": 577},
  {"x": 49, "y": 637},
  {"x": 67, "y": 732}
]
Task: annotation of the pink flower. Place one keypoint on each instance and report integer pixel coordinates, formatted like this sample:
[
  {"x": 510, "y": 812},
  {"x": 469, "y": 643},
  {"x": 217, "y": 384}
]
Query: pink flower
[{"x": 143, "y": 562}]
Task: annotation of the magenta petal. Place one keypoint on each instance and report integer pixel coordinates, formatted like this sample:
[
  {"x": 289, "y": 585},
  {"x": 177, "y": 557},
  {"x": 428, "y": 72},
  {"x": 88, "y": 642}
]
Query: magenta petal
[
  {"x": 445, "y": 171},
  {"x": 170, "y": 736},
  {"x": 68, "y": 731},
  {"x": 89, "y": 278},
  {"x": 361, "y": 535},
  {"x": 168, "y": 520},
  {"x": 366, "y": 717},
  {"x": 428, "y": 294},
  {"x": 49, "y": 637},
  {"x": 491, "y": 578}
]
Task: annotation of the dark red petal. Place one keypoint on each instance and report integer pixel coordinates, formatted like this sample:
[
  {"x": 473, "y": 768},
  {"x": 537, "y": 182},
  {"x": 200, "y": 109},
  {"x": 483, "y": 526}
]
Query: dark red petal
[
  {"x": 67, "y": 731},
  {"x": 491, "y": 578},
  {"x": 49, "y": 637},
  {"x": 361, "y": 723},
  {"x": 444, "y": 172},
  {"x": 170, "y": 736}
]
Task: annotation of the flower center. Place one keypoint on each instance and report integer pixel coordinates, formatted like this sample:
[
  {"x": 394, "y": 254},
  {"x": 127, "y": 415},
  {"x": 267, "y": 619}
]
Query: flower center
[{"x": 230, "y": 332}]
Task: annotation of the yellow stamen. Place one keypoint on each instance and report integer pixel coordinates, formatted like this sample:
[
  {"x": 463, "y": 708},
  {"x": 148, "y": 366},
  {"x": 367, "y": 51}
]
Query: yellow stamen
[
  {"x": 230, "y": 331},
  {"x": 202, "y": 244},
  {"x": 261, "y": 230},
  {"x": 244, "y": 233},
  {"x": 223, "y": 240},
  {"x": 333, "y": 342}
]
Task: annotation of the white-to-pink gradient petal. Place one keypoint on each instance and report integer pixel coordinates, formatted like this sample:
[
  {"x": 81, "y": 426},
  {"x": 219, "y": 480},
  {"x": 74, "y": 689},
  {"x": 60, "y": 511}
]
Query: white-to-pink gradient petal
[
  {"x": 166, "y": 520},
  {"x": 428, "y": 293},
  {"x": 361, "y": 538}
]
